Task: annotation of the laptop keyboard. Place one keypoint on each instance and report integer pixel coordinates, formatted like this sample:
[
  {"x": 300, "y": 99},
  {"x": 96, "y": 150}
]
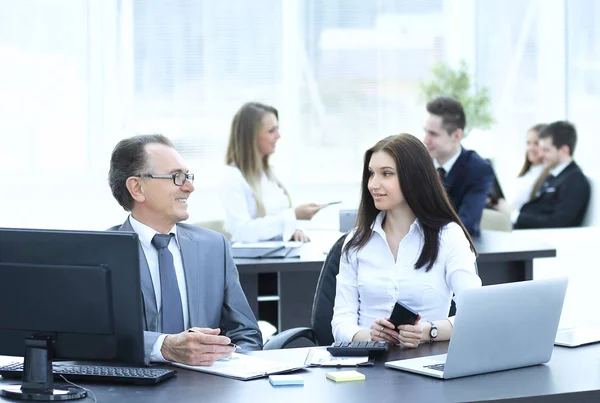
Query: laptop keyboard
[{"x": 436, "y": 367}]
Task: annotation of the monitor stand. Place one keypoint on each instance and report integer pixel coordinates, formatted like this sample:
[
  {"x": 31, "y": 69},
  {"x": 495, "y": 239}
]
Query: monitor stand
[{"x": 38, "y": 381}]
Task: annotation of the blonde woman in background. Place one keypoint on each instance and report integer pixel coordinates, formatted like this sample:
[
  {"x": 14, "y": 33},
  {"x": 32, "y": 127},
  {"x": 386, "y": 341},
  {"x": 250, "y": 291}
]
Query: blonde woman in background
[
  {"x": 530, "y": 177},
  {"x": 257, "y": 205}
]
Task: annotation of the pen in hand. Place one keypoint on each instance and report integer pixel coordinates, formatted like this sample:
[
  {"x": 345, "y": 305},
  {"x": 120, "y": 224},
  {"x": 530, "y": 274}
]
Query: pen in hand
[{"x": 192, "y": 330}]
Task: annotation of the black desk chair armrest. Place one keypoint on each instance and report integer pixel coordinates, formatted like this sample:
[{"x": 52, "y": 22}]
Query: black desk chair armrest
[{"x": 286, "y": 337}]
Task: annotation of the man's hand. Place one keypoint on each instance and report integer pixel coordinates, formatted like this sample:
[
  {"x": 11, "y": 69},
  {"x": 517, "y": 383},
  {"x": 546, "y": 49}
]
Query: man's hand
[{"x": 202, "y": 347}]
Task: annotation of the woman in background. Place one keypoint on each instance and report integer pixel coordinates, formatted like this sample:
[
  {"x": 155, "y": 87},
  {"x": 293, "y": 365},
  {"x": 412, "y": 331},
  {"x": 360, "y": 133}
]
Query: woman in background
[
  {"x": 409, "y": 246},
  {"x": 530, "y": 177},
  {"x": 258, "y": 207}
]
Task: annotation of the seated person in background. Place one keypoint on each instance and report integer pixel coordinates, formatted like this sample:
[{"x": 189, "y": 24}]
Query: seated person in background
[
  {"x": 409, "y": 246},
  {"x": 563, "y": 197},
  {"x": 466, "y": 176},
  {"x": 529, "y": 179},
  {"x": 257, "y": 205},
  {"x": 188, "y": 277}
]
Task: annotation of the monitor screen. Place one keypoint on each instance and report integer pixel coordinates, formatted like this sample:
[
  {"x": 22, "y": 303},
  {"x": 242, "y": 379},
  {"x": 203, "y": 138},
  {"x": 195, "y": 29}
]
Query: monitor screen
[{"x": 80, "y": 289}]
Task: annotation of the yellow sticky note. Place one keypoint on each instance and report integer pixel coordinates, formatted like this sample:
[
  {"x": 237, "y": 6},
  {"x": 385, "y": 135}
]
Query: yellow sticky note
[{"x": 345, "y": 376}]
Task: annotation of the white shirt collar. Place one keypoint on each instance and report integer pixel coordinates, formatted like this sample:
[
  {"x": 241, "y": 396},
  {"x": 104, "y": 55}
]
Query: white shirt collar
[
  {"x": 377, "y": 225},
  {"x": 145, "y": 233},
  {"x": 559, "y": 168},
  {"x": 449, "y": 164}
]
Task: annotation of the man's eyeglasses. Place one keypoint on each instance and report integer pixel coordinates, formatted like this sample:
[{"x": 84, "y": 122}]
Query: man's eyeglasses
[{"x": 179, "y": 178}]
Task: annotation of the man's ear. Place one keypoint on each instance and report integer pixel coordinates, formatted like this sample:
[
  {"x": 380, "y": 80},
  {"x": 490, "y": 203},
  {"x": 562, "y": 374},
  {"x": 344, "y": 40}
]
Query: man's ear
[
  {"x": 136, "y": 189},
  {"x": 565, "y": 150},
  {"x": 457, "y": 135}
]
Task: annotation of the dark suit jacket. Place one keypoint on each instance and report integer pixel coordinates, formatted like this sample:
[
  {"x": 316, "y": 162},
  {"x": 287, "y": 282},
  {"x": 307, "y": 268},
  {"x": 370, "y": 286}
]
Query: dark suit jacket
[
  {"x": 562, "y": 204},
  {"x": 215, "y": 296},
  {"x": 467, "y": 185}
]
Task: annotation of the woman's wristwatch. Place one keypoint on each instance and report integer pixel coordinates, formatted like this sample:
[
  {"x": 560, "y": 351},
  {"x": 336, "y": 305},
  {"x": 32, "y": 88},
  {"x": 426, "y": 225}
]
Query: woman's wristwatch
[{"x": 433, "y": 332}]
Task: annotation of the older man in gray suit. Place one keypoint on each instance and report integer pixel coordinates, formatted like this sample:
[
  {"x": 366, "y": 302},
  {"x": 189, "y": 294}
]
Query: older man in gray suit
[{"x": 188, "y": 277}]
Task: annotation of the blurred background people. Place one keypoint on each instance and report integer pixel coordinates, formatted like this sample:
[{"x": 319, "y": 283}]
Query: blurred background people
[
  {"x": 563, "y": 197},
  {"x": 530, "y": 177},
  {"x": 466, "y": 176},
  {"x": 257, "y": 205}
]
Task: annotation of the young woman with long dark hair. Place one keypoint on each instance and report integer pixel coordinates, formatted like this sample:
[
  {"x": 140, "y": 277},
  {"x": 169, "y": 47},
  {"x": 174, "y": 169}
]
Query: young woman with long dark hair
[{"x": 409, "y": 245}]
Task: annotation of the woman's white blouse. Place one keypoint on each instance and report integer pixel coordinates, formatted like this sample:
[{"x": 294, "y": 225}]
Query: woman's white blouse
[
  {"x": 524, "y": 186},
  {"x": 241, "y": 219},
  {"x": 370, "y": 282}
]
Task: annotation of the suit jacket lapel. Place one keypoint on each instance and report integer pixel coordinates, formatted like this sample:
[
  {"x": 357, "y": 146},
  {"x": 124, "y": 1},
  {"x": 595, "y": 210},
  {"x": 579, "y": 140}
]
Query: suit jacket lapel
[
  {"x": 557, "y": 180},
  {"x": 150, "y": 305},
  {"x": 561, "y": 176},
  {"x": 456, "y": 170},
  {"x": 192, "y": 262}
]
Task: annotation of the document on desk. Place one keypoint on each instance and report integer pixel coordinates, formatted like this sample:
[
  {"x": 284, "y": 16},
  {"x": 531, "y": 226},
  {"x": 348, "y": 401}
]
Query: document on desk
[
  {"x": 244, "y": 367},
  {"x": 318, "y": 357},
  {"x": 259, "y": 250}
]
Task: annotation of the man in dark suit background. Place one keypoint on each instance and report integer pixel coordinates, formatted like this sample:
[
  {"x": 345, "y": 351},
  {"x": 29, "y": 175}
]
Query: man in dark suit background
[
  {"x": 466, "y": 176},
  {"x": 563, "y": 197},
  {"x": 188, "y": 278}
]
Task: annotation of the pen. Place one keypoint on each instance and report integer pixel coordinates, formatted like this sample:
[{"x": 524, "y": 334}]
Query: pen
[{"x": 235, "y": 346}]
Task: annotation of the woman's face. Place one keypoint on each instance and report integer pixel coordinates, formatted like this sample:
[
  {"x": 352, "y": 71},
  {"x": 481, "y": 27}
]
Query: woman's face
[
  {"x": 534, "y": 153},
  {"x": 383, "y": 182},
  {"x": 268, "y": 134}
]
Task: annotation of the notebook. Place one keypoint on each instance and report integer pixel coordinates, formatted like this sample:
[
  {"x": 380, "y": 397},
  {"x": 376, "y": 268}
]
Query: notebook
[
  {"x": 261, "y": 250},
  {"x": 575, "y": 337},
  {"x": 244, "y": 367},
  {"x": 497, "y": 327},
  {"x": 319, "y": 357}
]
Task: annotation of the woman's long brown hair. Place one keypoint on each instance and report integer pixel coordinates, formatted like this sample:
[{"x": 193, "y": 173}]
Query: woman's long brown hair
[{"x": 422, "y": 189}]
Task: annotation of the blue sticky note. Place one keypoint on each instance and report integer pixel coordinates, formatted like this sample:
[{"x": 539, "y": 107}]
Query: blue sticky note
[{"x": 286, "y": 380}]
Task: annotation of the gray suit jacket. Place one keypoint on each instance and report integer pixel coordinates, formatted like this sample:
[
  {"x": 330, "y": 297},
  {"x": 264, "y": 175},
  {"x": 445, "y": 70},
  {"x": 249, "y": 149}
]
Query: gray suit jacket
[{"x": 215, "y": 296}]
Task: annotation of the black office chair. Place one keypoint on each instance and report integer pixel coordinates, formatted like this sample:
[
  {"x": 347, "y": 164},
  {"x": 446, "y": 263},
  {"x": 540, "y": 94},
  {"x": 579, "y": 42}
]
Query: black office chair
[{"x": 322, "y": 310}]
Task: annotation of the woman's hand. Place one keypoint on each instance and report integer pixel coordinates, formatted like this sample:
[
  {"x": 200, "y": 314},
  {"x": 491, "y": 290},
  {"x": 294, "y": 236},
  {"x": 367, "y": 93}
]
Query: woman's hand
[
  {"x": 411, "y": 335},
  {"x": 383, "y": 329},
  {"x": 300, "y": 236},
  {"x": 307, "y": 211}
]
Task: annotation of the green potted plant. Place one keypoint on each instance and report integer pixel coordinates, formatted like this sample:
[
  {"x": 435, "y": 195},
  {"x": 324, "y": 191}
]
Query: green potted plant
[{"x": 457, "y": 83}]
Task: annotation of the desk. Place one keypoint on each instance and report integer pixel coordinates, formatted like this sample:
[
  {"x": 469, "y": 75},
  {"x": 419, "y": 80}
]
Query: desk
[
  {"x": 572, "y": 375},
  {"x": 503, "y": 257}
]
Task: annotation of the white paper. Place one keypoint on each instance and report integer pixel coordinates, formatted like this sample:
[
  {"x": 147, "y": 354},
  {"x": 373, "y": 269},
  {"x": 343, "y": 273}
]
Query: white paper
[
  {"x": 242, "y": 366},
  {"x": 324, "y": 359}
]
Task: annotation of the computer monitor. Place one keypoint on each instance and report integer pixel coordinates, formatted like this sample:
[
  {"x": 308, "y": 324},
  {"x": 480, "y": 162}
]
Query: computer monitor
[{"x": 71, "y": 295}]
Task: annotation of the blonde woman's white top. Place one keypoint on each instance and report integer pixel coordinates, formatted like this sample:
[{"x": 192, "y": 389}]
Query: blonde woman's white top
[
  {"x": 241, "y": 216},
  {"x": 524, "y": 186},
  {"x": 370, "y": 281}
]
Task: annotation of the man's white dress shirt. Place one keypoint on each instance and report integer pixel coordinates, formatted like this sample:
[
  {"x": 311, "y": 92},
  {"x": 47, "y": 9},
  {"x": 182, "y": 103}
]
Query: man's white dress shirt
[{"x": 145, "y": 234}]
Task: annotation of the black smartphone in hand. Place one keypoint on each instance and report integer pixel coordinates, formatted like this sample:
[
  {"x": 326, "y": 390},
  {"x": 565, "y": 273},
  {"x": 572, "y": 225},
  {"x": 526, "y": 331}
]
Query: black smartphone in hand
[{"x": 403, "y": 315}]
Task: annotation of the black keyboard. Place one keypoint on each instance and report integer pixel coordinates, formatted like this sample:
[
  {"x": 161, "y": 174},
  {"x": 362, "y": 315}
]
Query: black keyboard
[
  {"x": 357, "y": 348},
  {"x": 437, "y": 367},
  {"x": 96, "y": 373}
]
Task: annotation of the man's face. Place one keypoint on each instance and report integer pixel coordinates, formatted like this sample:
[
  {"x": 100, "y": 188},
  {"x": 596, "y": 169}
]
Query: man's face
[
  {"x": 163, "y": 201},
  {"x": 550, "y": 154},
  {"x": 440, "y": 144}
]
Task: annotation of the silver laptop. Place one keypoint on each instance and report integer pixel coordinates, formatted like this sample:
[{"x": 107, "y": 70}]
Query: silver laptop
[
  {"x": 579, "y": 336},
  {"x": 497, "y": 327}
]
